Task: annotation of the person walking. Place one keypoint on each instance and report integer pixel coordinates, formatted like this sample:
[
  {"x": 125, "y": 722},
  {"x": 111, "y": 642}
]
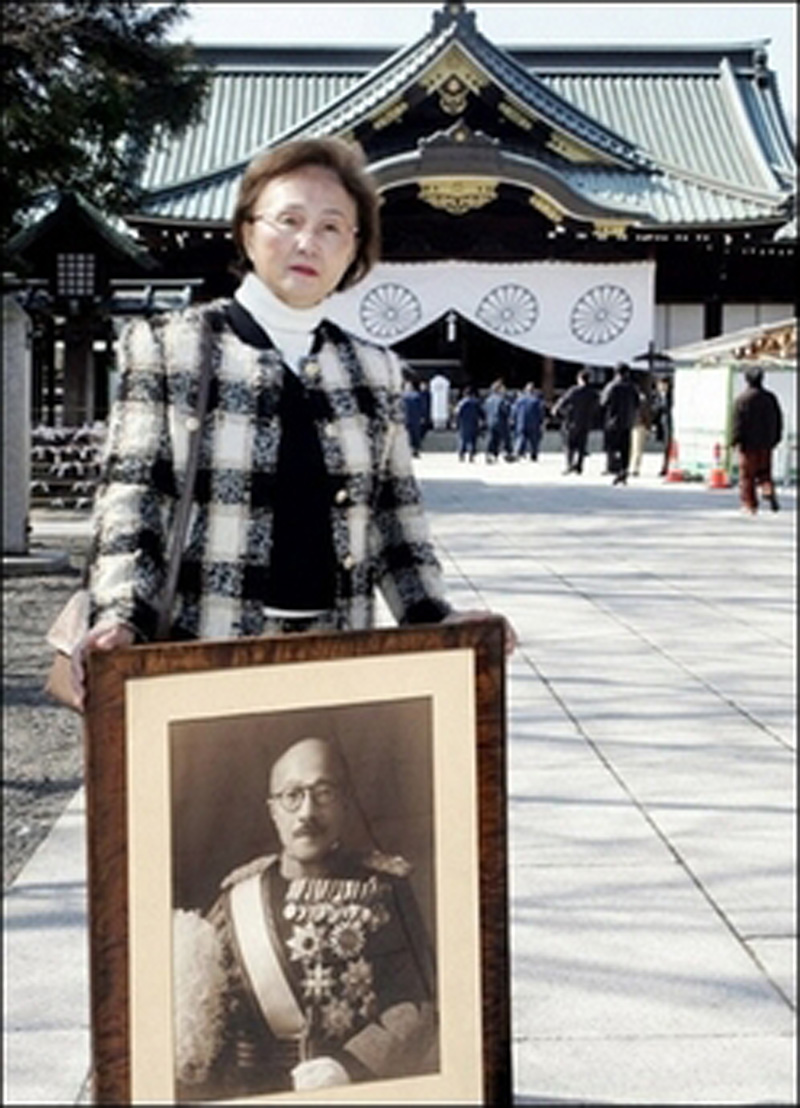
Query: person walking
[
  {"x": 427, "y": 409},
  {"x": 469, "y": 423},
  {"x": 757, "y": 428},
  {"x": 414, "y": 408},
  {"x": 620, "y": 402},
  {"x": 305, "y": 500},
  {"x": 662, "y": 416},
  {"x": 576, "y": 409},
  {"x": 497, "y": 407},
  {"x": 641, "y": 429},
  {"x": 526, "y": 418}
]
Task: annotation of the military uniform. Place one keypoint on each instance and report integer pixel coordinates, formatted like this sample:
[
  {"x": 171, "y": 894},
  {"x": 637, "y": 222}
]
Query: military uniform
[{"x": 337, "y": 967}]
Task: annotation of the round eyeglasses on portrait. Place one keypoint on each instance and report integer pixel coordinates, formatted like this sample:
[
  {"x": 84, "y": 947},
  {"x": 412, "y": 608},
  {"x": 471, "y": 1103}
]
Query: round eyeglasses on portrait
[
  {"x": 322, "y": 793},
  {"x": 332, "y": 231}
]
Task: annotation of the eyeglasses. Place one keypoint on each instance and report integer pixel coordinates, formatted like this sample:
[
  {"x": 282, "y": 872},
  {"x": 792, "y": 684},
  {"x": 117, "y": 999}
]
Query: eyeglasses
[
  {"x": 332, "y": 231},
  {"x": 323, "y": 794}
]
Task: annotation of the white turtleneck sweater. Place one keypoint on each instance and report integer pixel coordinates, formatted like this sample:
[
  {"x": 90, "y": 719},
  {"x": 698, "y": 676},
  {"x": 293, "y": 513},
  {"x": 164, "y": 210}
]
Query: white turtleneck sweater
[
  {"x": 291, "y": 329},
  {"x": 292, "y": 332}
]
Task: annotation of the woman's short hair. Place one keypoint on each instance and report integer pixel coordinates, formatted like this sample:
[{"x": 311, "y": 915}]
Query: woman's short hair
[{"x": 343, "y": 159}]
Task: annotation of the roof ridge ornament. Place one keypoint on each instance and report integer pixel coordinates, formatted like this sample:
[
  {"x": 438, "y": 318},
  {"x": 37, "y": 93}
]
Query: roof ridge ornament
[
  {"x": 458, "y": 134},
  {"x": 455, "y": 11}
]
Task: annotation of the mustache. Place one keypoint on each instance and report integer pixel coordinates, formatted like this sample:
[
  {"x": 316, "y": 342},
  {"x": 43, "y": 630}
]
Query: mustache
[{"x": 309, "y": 826}]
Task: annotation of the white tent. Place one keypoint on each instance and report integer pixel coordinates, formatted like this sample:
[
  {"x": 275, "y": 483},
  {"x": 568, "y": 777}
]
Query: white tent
[{"x": 708, "y": 377}]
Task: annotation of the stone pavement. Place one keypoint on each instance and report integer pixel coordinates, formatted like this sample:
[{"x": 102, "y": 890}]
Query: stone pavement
[{"x": 651, "y": 755}]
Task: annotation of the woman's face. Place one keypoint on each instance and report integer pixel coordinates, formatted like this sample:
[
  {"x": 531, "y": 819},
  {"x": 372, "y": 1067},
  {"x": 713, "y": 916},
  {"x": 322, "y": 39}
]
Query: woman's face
[{"x": 301, "y": 236}]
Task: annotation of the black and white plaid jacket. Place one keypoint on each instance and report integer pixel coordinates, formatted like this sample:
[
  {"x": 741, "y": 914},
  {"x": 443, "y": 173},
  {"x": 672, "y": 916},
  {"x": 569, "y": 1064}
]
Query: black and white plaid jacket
[{"x": 379, "y": 530}]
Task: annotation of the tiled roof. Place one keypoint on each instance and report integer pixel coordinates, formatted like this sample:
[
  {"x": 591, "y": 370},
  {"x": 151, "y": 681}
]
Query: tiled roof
[
  {"x": 246, "y": 109},
  {"x": 708, "y": 120},
  {"x": 69, "y": 208}
]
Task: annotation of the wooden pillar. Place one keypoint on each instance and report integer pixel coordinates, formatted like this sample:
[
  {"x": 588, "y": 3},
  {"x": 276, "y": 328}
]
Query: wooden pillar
[
  {"x": 548, "y": 378},
  {"x": 78, "y": 371},
  {"x": 49, "y": 372},
  {"x": 712, "y": 321}
]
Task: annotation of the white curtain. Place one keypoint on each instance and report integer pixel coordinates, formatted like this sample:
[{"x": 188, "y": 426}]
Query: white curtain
[{"x": 579, "y": 312}]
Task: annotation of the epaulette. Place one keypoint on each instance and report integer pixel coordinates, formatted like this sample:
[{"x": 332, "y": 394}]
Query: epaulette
[
  {"x": 249, "y": 869},
  {"x": 393, "y": 864}
]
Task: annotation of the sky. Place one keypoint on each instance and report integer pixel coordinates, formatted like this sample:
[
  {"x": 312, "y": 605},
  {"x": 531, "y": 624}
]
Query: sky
[{"x": 523, "y": 24}]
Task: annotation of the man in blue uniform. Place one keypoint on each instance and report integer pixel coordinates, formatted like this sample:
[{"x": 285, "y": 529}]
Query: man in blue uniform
[
  {"x": 497, "y": 411},
  {"x": 469, "y": 423},
  {"x": 527, "y": 416},
  {"x": 414, "y": 406}
]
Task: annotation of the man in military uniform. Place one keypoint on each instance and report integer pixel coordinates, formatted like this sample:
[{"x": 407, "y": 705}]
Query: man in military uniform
[{"x": 322, "y": 966}]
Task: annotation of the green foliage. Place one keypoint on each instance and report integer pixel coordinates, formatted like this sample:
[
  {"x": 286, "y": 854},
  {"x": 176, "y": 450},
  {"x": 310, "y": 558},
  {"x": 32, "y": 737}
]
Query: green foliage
[{"x": 87, "y": 87}]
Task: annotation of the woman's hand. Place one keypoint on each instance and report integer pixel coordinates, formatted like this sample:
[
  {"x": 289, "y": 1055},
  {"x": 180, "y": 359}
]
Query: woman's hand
[
  {"x": 509, "y": 634},
  {"x": 102, "y": 637}
]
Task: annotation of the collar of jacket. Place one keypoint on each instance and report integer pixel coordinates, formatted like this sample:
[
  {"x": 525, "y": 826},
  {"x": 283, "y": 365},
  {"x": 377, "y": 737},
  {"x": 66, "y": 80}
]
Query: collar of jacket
[{"x": 250, "y": 331}]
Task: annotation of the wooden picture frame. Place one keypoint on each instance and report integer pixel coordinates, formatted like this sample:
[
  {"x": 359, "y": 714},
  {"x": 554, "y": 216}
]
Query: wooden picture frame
[{"x": 178, "y": 740}]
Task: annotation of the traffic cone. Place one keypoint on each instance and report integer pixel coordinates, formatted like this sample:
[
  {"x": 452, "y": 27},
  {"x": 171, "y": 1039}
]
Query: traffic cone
[
  {"x": 718, "y": 478},
  {"x": 674, "y": 472}
]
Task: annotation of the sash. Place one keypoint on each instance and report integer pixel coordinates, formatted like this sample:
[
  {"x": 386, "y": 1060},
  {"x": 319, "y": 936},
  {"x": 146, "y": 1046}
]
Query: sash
[{"x": 258, "y": 940}]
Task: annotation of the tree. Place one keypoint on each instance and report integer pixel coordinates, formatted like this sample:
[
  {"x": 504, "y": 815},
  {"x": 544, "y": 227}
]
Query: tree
[{"x": 88, "y": 87}]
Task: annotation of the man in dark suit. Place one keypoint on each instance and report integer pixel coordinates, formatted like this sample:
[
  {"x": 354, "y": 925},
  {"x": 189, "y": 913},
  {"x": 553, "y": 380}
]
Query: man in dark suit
[
  {"x": 620, "y": 403},
  {"x": 577, "y": 409}
]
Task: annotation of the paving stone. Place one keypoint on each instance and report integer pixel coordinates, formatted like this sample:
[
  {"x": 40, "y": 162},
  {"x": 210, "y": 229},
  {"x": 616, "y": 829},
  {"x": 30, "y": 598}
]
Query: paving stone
[{"x": 651, "y": 765}]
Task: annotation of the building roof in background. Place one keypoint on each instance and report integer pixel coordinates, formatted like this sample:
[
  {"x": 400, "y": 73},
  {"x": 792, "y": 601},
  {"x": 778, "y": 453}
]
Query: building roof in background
[
  {"x": 70, "y": 216},
  {"x": 676, "y": 136},
  {"x": 765, "y": 343}
]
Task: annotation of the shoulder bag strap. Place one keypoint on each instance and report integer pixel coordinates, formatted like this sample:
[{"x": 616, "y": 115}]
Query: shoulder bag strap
[{"x": 208, "y": 347}]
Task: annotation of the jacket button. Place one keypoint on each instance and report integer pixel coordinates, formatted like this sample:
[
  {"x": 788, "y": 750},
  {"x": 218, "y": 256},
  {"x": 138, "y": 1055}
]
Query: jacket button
[
  {"x": 342, "y": 496},
  {"x": 312, "y": 369},
  {"x": 348, "y": 561},
  {"x": 192, "y": 424},
  {"x": 330, "y": 430}
]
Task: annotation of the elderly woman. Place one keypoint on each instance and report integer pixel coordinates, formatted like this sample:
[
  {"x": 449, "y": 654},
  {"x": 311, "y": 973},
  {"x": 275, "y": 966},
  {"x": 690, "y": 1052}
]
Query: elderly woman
[{"x": 305, "y": 501}]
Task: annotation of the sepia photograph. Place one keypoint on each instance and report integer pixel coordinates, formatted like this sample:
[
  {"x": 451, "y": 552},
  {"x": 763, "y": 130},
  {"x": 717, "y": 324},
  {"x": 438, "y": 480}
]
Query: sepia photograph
[
  {"x": 298, "y": 869},
  {"x": 302, "y": 853}
]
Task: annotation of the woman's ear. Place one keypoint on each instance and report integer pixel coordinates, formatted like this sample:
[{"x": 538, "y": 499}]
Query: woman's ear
[{"x": 247, "y": 242}]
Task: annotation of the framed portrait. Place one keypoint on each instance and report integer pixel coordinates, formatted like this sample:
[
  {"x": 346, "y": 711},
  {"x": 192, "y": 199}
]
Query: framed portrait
[{"x": 297, "y": 868}]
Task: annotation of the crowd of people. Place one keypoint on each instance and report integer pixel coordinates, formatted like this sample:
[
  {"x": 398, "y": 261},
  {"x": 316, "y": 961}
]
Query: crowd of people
[
  {"x": 509, "y": 424},
  {"x": 629, "y": 409}
]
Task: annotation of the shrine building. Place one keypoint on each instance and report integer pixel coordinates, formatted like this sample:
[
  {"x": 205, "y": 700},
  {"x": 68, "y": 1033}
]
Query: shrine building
[{"x": 543, "y": 207}]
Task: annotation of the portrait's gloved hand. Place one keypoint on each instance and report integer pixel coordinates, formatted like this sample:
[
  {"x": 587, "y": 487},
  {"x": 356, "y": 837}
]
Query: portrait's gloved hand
[{"x": 319, "y": 1073}]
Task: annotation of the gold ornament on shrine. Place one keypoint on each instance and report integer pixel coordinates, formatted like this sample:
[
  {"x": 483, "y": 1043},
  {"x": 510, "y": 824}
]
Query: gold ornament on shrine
[{"x": 457, "y": 195}]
